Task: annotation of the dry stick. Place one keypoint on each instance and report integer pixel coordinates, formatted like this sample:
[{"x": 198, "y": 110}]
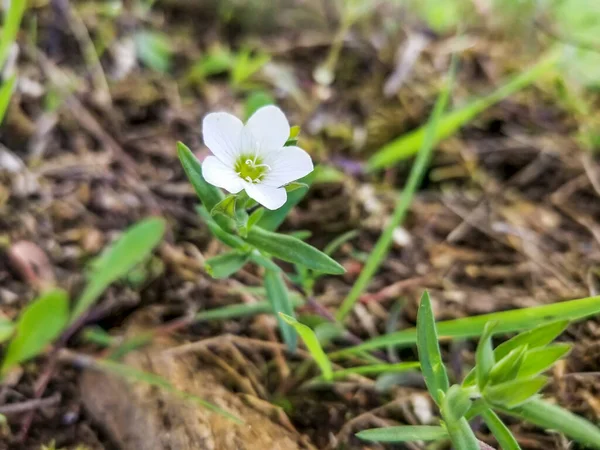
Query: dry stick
[{"x": 29, "y": 405}]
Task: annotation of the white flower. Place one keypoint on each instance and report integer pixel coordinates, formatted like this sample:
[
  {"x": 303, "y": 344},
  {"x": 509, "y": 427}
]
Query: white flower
[{"x": 253, "y": 156}]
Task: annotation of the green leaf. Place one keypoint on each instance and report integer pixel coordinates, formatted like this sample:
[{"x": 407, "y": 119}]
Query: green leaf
[
  {"x": 484, "y": 356},
  {"x": 500, "y": 431},
  {"x": 461, "y": 435},
  {"x": 255, "y": 101},
  {"x": 403, "y": 202},
  {"x": 455, "y": 403},
  {"x": 312, "y": 344},
  {"x": 42, "y": 321},
  {"x": 403, "y": 434},
  {"x": 376, "y": 369},
  {"x": 277, "y": 294},
  {"x": 10, "y": 27},
  {"x": 539, "y": 360},
  {"x": 336, "y": 243},
  {"x": 264, "y": 261},
  {"x": 6, "y": 91},
  {"x": 208, "y": 194},
  {"x": 134, "y": 245},
  {"x": 243, "y": 310},
  {"x": 295, "y": 185},
  {"x": 254, "y": 218},
  {"x": 272, "y": 219},
  {"x": 508, "y": 321},
  {"x": 508, "y": 367},
  {"x": 217, "y": 60},
  {"x": 7, "y": 328},
  {"x": 430, "y": 357},
  {"x": 514, "y": 393},
  {"x": 226, "y": 264},
  {"x": 152, "y": 379},
  {"x": 227, "y": 238},
  {"x": 153, "y": 49},
  {"x": 225, "y": 207},
  {"x": 245, "y": 65},
  {"x": 408, "y": 145},
  {"x": 290, "y": 249},
  {"x": 537, "y": 337},
  {"x": 552, "y": 417}
]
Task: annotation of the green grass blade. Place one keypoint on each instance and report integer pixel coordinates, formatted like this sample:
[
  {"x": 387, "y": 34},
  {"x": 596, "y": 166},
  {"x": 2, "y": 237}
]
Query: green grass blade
[
  {"x": 375, "y": 369},
  {"x": 500, "y": 431},
  {"x": 403, "y": 434},
  {"x": 552, "y": 417},
  {"x": 408, "y": 145},
  {"x": 7, "y": 328},
  {"x": 278, "y": 296},
  {"x": 468, "y": 327},
  {"x": 10, "y": 27},
  {"x": 118, "y": 259},
  {"x": 428, "y": 346},
  {"x": 140, "y": 376},
  {"x": 415, "y": 178},
  {"x": 6, "y": 91},
  {"x": 312, "y": 344},
  {"x": 42, "y": 321},
  {"x": 243, "y": 310}
]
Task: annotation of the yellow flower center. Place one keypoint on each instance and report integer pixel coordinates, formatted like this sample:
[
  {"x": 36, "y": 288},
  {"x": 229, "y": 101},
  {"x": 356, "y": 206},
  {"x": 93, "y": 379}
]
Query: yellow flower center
[{"x": 251, "y": 168}]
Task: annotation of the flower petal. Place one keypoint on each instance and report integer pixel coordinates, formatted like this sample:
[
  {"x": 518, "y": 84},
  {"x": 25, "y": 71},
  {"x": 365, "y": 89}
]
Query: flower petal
[
  {"x": 220, "y": 175},
  {"x": 287, "y": 165},
  {"x": 222, "y": 133},
  {"x": 268, "y": 196},
  {"x": 269, "y": 127}
]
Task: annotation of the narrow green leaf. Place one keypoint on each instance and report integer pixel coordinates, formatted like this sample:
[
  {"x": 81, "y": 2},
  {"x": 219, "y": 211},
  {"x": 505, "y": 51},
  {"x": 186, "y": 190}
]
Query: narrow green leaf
[
  {"x": 254, "y": 218},
  {"x": 455, "y": 403},
  {"x": 430, "y": 357},
  {"x": 243, "y": 310},
  {"x": 42, "y": 321},
  {"x": 541, "y": 359},
  {"x": 552, "y": 417},
  {"x": 336, "y": 243},
  {"x": 135, "y": 245},
  {"x": 152, "y": 379},
  {"x": 7, "y": 328},
  {"x": 208, "y": 194},
  {"x": 408, "y": 145},
  {"x": 264, "y": 261},
  {"x": 500, "y": 431},
  {"x": 508, "y": 322},
  {"x": 10, "y": 27},
  {"x": 153, "y": 49},
  {"x": 272, "y": 219},
  {"x": 290, "y": 249},
  {"x": 225, "y": 264},
  {"x": 255, "y": 101},
  {"x": 6, "y": 91},
  {"x": 376, "y": 369},
  {"x": 225, "y": 237},
  {"x": 537, "y": 337},
  {"x": 312, "y": 344},
  {"x": 484, "y": 355},
  {"x": 403, "y": 434},
  {"x": 277, "y": 294},
  {"x": 417, "y": 174},
  {"x": 508, "y": 367},
  {"x": 462, "y": 436},
  {"x": 514, "y": 393}
]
